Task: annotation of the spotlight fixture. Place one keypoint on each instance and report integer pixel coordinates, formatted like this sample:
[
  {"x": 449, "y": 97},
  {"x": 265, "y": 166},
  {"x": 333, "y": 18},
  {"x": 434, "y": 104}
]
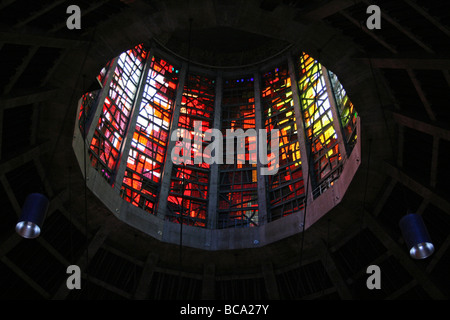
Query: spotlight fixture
[
  {"x": 416, "y": 236},
  {"x": 33, "y": 215}
]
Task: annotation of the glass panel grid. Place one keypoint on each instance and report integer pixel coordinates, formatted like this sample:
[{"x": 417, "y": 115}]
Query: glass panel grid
[
  {"x": 88, "y": 101},
  {"x": 318, "y": 120},
  {"x": 346, "y": 110},
  {"x": 188, "y": 194},
  {"x": 145, "y": 161},
  {"x": 285, "y": 187},
  {"x": 112, "y": 125},
  {"x": 238, "y": 196}
]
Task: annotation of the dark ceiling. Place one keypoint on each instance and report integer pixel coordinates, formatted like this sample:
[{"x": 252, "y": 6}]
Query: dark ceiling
[
  {"x": 224, "y": 46},
  {"x": 406, "y": 126}
]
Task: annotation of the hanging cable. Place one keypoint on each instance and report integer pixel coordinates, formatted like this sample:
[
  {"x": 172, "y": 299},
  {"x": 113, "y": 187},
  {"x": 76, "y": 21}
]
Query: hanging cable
[
  {"x": 85, "y": 194},
  {"x": 85, "y": 146},
  {"x": 389, "y": 136},
  {"x": 183, "y": 170},
  {"x": 309, "y": 145},
  {"x": 225, "y": 67},
  {"x": 69, "y": 209},
  {"x": 309, "y": 171}
]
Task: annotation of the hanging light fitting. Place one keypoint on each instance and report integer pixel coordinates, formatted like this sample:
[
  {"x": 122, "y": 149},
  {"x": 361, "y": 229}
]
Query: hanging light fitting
[
  {"x": 416, "y": 236},
  {"x": 33, "y": 215}
]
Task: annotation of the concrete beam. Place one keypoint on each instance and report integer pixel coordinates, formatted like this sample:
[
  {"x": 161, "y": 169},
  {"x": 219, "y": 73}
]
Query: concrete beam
[
  {"x": 109, "y": 287},
  {"x": 403, "y": 290},
  {"x": 146, "y": 277},
  {"x": 209, "y": 281},
  {"x": 43, "y": 175},
  {"x": 55, "y": 253},
  {"x": 83, "y": 262},
  {"x": 328, "y": 9},
  {"x": 422, "y": 126},
  {"x": 402, "y": 29},
  {"x": 38, "y": 13},
  {"x": 6, "y": 3},
  {"x": 84, "y": 12},
  {"x": 384, "y": 197},
  {"x": 56, "y": 64},
  {"x": 438, "y": 254},
  {"x": 30, "y": 281},
  {"x": 434, "y": 162},
  {"x": 418, "y": 187},
  {"x": 29, "y": 155},
  {"x": 426, "y": 103},
  {"x": 43, "y": 94},
  {"x": 38, "y": 40},
  {"x": 270, "y": 281},
  {"x": 334, "y": 274},
  {"x": 35, "y": 123},
  {"x": 25, "y": 62},
  {"x": 401, "y": 142},
  {"x": 368, "y": 32},
  {"x": 10, "y": 243},
  {"x": 428, "y": 16},
  {"x": 415, "y": 63},
  {"x": 446, "y": 74}
]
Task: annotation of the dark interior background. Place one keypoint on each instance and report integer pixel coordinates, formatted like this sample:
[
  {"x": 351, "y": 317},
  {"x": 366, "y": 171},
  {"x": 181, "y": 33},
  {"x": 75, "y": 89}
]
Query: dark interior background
[{"x": 44, "y": 70}]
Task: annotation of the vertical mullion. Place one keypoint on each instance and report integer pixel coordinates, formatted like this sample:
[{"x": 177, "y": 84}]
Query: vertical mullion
[
  {"x": 343, "y": 145},
  {"x": 302, "y": 141},
  {"x": 168, "y": 165},
  {"x": 100, "y": 101},
  {"x": 212, "y": 218},
  {"x": 83, "y": 140},
  {"x": 260, "y": 179},
  {"x": 135, "y": 109}
]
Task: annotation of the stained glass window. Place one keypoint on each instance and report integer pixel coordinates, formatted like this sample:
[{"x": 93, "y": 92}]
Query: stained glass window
[
  {"x": 238, "y": 196},
  {"x": 150, "y": 139},
  {"x": 285, "y": 187},
  {"x": 346, "y": 110},
  {"x": 112, "y": 124},
  {"x": 88, "y": 100},
  {"x": 188, "y": 193},
  {"x": 132, "y": 118},
  {"x": 320, "y": 134}
]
